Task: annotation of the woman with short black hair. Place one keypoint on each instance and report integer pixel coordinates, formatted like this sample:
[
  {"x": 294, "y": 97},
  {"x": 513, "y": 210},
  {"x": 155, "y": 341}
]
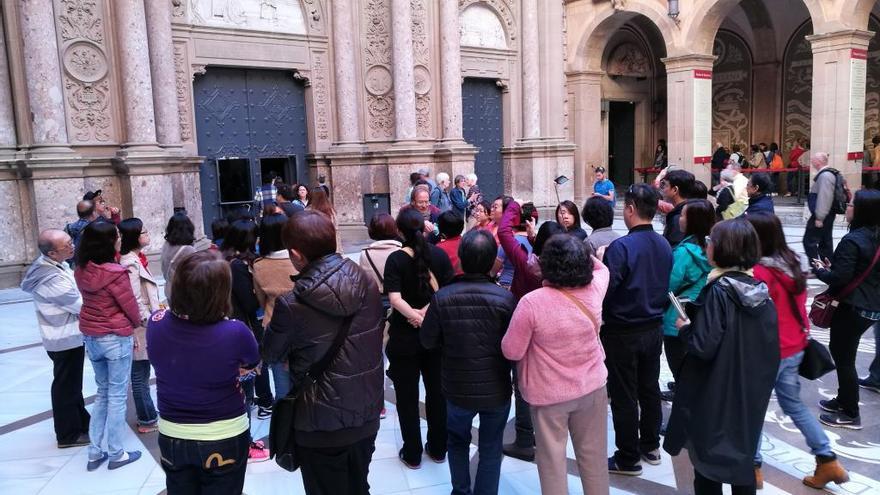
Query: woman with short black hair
[
  {"x": 567, "y": 215},
  {"x": 179, "y": 239},
  {"x": 859, "y": 309},
  {"x": 721, "y": 393}
]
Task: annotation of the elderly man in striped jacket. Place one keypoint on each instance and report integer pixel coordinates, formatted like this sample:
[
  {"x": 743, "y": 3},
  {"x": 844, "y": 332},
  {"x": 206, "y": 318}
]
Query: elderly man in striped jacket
[{"x": 50, "y": 281}]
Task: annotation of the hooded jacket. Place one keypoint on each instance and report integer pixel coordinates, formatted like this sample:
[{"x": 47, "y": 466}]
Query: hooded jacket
[
  {"x": 57, "y": 302},
  {"x": 689, "y": 271},
  {"x": 791, "y": 306},
  {"x": 343, "y": 406},
  {"x": 109, "y": 306},
  {"x": 725, "y": 381}
]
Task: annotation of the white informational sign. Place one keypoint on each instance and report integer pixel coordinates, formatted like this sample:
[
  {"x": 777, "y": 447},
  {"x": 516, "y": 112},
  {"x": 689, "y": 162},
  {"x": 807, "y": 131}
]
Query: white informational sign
[
  {"x": 858, "y": 65},
  {"x": 703, "y": 116}
]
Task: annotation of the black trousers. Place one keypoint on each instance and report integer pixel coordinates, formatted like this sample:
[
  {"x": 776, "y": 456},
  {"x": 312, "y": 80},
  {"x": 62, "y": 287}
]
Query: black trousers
[
  {"x": 405, "y": 371},
  {"x": 195, "y": 467},
  {"x": 337, "y": 470},
  {"x": 633, "y": 362},
  {"x": 525, "y": 432},
  {"x": 675, "y": 350},
  {"x": 819, "y": 242},
  {"x": 705, "y": 486},
  {"x": 847, "y": 328},
  {"x": 68, "y": 407}
]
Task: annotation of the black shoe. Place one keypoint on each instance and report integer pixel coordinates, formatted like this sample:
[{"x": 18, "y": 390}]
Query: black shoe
[
  {"x": 867, "y": 384},
  {"x": 93, "y": 465},
  {"x": 841, "y": 420},
  {"x": 408, "y": 464},
  {"x": 438, "y": 460},
  {"x": 522, "y": 453},
  {"x": 652, "y": 458},
  {"x": 615, "y": 468},
  {"x": 831, "y": 406},
  {"x": 80, "y": 441},
  {"x": 667, "y": 396},
  {"x": 132, "y": 456},
  {"x": 264, "y": 412},
  {"x": 670, "y": 386}
]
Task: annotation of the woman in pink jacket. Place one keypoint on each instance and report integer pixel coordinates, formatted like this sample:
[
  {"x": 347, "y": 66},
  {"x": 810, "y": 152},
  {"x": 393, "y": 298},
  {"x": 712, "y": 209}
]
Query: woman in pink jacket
[
  {"x": 107, "y": 320},
  {"x": 561, "y": 364}
]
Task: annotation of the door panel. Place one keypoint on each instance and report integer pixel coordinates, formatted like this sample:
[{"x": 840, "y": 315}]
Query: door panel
[
  {"x": 621, "y": 143},
  {"x": 482, "y": 120}
]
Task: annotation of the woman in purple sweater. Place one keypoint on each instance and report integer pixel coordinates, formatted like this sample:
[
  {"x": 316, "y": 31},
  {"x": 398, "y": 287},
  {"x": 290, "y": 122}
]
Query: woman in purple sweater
[{"x": 198, "y": 354}]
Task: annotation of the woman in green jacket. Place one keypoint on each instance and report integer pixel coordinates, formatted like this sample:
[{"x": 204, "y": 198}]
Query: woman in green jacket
[{"x": 690, "y": 267}]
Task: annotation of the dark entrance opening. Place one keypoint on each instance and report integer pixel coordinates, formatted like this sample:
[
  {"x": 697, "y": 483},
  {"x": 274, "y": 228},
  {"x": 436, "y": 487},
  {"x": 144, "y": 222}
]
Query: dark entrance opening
[
  {"x": 621, "y": 142},
  {"x": 274, "y": 167},
  {"x": 482, "y": 119}
]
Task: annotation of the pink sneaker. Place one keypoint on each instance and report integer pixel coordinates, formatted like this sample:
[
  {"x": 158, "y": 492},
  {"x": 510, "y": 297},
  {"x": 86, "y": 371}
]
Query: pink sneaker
[
  {"x": 383, "y": 413},
  {"x": 258, "y": 452},
  {"x": 144, "y": 429}
]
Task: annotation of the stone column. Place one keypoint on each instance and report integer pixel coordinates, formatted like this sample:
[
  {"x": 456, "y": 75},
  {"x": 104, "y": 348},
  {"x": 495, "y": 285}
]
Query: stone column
[
  {"x": 402, "y": 55},
  {"x": 164, "y": 81},
  {"x": 43, "y": 71},
  {"x": 8, "y": 140},
  {"x": 531, "y": 69},
  {"x": 450, "y": 70},
  {"x": 551, "y": 21},
  {"x": 348, "y": 122},
  {"x": 833, "y": 81},
  {"x": 587, "y": 129},
  {"x": 137, "y": 88},
  {"x": 684, "y": 153}
]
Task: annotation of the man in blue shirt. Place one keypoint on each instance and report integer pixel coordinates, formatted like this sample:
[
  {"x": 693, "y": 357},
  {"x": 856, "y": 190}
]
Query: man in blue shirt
[
  {"x": 640, "y": 264},
  {"x": 604, "y": 188}
]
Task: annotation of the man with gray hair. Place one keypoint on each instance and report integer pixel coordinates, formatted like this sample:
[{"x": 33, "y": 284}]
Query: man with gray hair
[
  {"x": 818, "y": 242},
  {"x": 57, "y": 300}
]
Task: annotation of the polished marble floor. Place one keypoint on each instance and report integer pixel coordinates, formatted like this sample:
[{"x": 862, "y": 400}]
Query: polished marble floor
[{"x": 30, "y": 463}]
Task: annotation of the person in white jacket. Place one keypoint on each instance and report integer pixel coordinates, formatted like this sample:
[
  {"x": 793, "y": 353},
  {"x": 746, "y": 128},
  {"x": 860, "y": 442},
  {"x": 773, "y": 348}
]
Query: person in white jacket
[{"x": 57, "y": 301}]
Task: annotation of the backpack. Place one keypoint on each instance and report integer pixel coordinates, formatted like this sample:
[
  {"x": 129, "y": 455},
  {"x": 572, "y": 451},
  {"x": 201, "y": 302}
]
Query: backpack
[
  {"x": 734, "y": 209},
  {"x": 842, "y": 193},
  {"x": 441, "y": 198}
]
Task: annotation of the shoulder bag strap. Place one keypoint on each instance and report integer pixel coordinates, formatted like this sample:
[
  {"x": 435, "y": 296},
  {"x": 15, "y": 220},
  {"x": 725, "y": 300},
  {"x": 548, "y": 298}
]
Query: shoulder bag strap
[
  {"x": 434, "y": 284},
  {"x": 319, "y": 367},
  {"x": 858, "y": 281},
  {"x": 376, "y": 270},
  {"x": 581, "y": 306}
]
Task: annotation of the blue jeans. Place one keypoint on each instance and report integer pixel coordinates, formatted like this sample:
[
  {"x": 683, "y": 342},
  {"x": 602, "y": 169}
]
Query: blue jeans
[
  {"x": 111, "y": 359},
  {"x": 140, "y": 393},
  {"x": 458, "y": 427},
  {"x": 788, "y": 394},
  {"x": 874, "y": 370},
  {"x": 281, "y": 379}
]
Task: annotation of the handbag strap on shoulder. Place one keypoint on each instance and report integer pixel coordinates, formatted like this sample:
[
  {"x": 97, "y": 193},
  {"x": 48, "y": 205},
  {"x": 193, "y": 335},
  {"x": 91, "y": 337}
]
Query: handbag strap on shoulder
[
  {"x": 861, "y": 278},
  {"x": 319, "y": 367},
  {"x": 583, "y": 308}
]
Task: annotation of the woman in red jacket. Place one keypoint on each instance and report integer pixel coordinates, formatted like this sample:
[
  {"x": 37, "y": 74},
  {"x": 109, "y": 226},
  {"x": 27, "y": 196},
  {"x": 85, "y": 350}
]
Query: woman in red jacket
[
  {"x": 107, "y": 320},
  {"x": 780, "y": 269}
]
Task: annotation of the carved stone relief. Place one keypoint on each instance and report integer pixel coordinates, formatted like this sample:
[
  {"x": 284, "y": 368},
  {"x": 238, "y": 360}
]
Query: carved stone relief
[
  {"x": 421, "y": 73},
  {"x": 314, "y": 16},
  {"x": 377, "y": 69},
  {"x": 283, "y": 16},
  {"x": 481, "y": 27},
  {"x": 320, "y": 77},
  {"x": 628, "y": 59},
  {"x": 86, "y": 70},
  {"x": 731, "y": 90},
  {"x": 502, "y": 8},
  {"x": 797, "y": 92},
  {"x": 872, "y": 84},
  {"x": 182, "y": 80},
  {"x": 178, "y": 9}
]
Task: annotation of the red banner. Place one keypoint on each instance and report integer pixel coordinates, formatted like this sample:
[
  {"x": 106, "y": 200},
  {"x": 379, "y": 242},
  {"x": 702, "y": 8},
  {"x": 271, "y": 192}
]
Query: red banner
[
  {"x": 859, "y": 53},
  {"x": 856, "y": 155},
  {"x": 702, "y": 159},
  {"x": 707, "y": 74}
]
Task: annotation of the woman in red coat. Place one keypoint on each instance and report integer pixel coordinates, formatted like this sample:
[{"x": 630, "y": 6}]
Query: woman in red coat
[{"x": 107, "y": 320}]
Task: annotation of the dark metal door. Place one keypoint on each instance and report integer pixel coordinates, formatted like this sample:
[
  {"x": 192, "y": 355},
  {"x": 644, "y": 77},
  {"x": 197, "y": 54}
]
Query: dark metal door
[
  {"x": 621, "y": 142},
  {"x": 482, "y": 119},
  {"x": 253, "y": 115}
]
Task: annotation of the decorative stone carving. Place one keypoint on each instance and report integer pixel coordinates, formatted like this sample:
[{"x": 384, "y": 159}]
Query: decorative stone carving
[
  {"x": 178, "y": 8},
  {"x": 314, "y": 16},
  {"x": 422, "y": 78},
  {"x": 377, "y": 55},
  {"x": 797, "y": 91},
  {"x": 182, "y": 83},
  {"x": 481, "y": 27},
  {"x": 502, "y": 8},
  {"x": 283, "y": 16},
  {"x": 198, "y": 70},
  {"x": 322, "y": 96},
  {"x": 628, "y": 59},
  {"x": 872, "y": 84},
  {"x": 86, "y": 70},
  {"x": 421, "y": 73},
  {"x": 379, "y": 80},
  {"x": 731, "y": 90},
  {"x": 618, "y": 5}
]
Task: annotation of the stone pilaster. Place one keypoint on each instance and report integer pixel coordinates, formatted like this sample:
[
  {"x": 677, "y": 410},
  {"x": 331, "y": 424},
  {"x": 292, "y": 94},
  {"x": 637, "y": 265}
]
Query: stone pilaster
[
  {"x": 684, "y": 152},
  {"x": 586, "y": 88},
  {"x": 162, "y": 68},
  {"x": 43, "y": 70},
  {"x": 531, "y": 87},
  {"x": 450, "y": 71},
  {"x": 8, "y": 139},
  {"x": 137, "y": 87},
  {"x": 833, "y": 83},
  {"x": 347, "y": 118},
  {"x": 404, "y": 79}
]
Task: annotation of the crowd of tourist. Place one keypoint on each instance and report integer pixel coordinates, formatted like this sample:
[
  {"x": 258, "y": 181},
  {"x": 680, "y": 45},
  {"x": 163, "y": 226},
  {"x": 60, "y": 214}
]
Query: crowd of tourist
[{"x": 454, "y": 292}]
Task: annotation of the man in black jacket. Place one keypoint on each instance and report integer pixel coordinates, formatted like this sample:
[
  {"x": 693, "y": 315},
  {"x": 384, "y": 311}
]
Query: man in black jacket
[
  {"x": 337, "y": 417},
  {"x": 467, "y": 319}
]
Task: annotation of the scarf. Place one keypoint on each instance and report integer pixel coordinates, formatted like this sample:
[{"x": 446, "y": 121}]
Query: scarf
[{"x": 718, "y": 272}]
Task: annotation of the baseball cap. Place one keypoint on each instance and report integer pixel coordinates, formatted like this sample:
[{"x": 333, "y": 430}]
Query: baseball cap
[{"x": 90, "y": 195}]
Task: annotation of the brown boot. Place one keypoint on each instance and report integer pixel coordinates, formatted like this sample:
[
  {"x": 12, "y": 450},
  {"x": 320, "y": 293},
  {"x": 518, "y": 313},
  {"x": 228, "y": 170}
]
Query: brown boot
[
  {"x": 830, "y": 470},
  {"x": 759, "y": 478}
]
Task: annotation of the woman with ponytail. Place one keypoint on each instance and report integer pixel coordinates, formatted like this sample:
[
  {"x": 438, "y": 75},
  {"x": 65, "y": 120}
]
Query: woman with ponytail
[{"x": 412, "y": 275}]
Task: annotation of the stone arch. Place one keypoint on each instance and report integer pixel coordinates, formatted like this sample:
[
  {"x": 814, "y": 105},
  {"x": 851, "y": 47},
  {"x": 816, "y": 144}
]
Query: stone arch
[
  {"x": 482, "y": 27},
  {"x": 702, "y": 24},
  {"x": 315, "y": 16},
  {"x": 591, "y": 45},
  {"x": 858, "y": 12},
  {"x": 502, "y": 10}
]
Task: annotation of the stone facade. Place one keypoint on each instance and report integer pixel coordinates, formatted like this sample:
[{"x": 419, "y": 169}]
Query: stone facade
[{"x": 100, "y": 93}]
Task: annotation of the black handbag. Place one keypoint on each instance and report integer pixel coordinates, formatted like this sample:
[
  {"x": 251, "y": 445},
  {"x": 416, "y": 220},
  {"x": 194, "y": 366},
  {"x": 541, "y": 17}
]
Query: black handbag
[
  {"x": 282, "y": 427},
  {"x": 817, "y": 360}
]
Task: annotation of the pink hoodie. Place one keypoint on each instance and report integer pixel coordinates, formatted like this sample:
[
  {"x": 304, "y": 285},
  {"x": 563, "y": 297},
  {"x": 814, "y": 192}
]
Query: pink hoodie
[{"x": 560, "y": 357}]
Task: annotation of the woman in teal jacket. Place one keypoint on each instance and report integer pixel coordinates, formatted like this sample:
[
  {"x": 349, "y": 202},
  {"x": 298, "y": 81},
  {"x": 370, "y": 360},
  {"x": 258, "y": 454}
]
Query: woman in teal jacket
[{"x": 690, "y": 267}]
